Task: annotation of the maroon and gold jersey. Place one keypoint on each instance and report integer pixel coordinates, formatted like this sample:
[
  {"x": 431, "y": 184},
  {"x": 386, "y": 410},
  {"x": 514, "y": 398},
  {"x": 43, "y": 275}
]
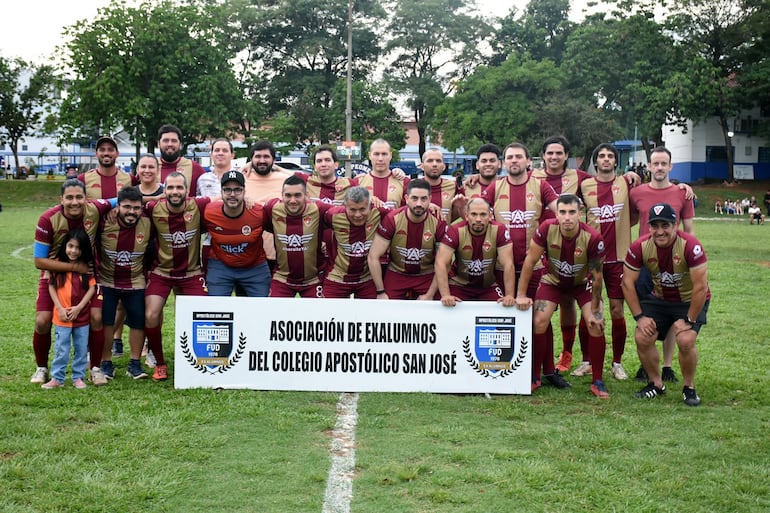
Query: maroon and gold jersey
[
  {"x": 297, "y": 242},
  {"x": 352, "y": 244},
  {"x": 608, "y": 211},
  {"x": 568, "y": 258},
  {"x": 121, "y": 253},
  {"x": 520, "y": 208},
  {"x": 53, "y": 226},
  {"x": 475, "y": 255},
  {"x": 567, "y": 182},
  {"x": 476, "y": 190},
  {"x": 235, "y": 241},
  {"x": 329, "y": 193},
  {"x": 670, "y": 267},
  {"x": 412, "y": 245},
  {"x": 190, "y": 169},
  {"x": 442, "y": 195},
  {"x": 179, "y": 237},
  {"x": 99, "y": 186},
  {"x": 389, "y": 190}
]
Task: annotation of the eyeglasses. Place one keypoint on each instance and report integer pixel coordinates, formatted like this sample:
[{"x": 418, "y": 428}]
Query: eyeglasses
[{"x": 232, "y": 190}]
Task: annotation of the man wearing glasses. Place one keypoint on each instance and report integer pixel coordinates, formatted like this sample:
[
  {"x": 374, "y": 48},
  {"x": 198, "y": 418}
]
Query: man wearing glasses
[{"x": 237, "y": 253}]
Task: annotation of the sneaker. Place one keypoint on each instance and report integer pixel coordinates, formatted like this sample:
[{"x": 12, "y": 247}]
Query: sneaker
[
  {"x": 536, "y": 383},
  {"x": 584, "y": 369},
  {"x": 108, "y": 369},
  {"x": 117, "y": 348},
  {"x": 97, "y": 377},
  {"x": 599, "y": 390},
  {"x": 161, "y": 373},
  {"x": 40, "y": 376},
  {"x": 79, "y": 384},
  {"x": 557, "y": 380},
  {"x": 618, "y": 372},
  {"x": 641, "y": 375},
  {"x": 149, "y": 360},
  {"x": 669, "y": 375},
  {"x": 650, "y": 391},
  {"x": 54, "y": 383},
  {"x": 565, "y": 361},
  {"x": 135, "y": 370},
  {"x": 690, "y": 396}
]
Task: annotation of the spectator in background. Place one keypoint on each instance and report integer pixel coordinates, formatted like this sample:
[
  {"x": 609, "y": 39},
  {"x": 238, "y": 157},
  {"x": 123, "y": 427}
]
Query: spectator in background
[
  {"x": 755, "y": 214},
  {"x": 71, "y": 171}
]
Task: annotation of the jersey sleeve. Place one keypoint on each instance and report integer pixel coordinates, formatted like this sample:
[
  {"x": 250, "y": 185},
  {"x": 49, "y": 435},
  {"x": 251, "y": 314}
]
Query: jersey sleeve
[
  {"x": 451, "y": 237},
  {"x": 387, "y": 226},
  {"x": 634, "y": 255},
  {"x": 503, "y": 236}
]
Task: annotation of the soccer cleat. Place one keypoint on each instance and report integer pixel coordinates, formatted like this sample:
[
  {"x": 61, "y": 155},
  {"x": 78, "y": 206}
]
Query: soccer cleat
[
  {"x": 584, "y": 369},
  {"x": 641, "y": 375},
  {"x": 117, "y": 348},
  {"x": 108, "y": 369},
  {"x": 161, "y": 373},
  {"x": 565, "y": 361},
  {"x": 54, "y": 383},
  {"x": 536, "y": 383},
  {"x": 650, "y": 391},
  {"x": 97, "y": 377},
  {"x": 618, "y": 372},
  {"x": 40, "y": 376},
  {"x": 135, "y": 370},
  {"x": 149, "y": 360},
  {"x": 669, "y": 375},
  {"x": 79, "y": 383},
  {"x": 690, "y": 396},
  {"x": 599, "y": 390},
  {"x": 557, "y": 380}
]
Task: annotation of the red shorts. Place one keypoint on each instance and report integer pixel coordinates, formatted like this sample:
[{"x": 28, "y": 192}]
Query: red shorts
[
  {"x": 534, "y": 281},
  {"x": 548, "y": 292},
  {"x": 613, "y": 276},
  {"x": 406, "y": 286},
  {"x": 44, "y": 303},
  {"x": 162, "y": 286},
  {"x": 492, "y": 293},
  {"x": 281, "y": 289},
  {"x": 364, "y": 290}
]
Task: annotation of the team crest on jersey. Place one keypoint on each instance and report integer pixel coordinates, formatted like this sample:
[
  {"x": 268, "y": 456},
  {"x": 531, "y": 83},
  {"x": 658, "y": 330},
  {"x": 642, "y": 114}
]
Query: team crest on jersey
[
  {"x": 445, "y": 195},
  {"x": 427, "y": 236},
  {"x": 369, "y": 227},
  {"x": 88, "y": 224},
  {"x": 391, "y": 188},
  {"x": 307, "y": 220},
  {"x": 338, "y": 187},
  {"x": 578, "y": 252},
  {"x": 565, "y": 181},
  {"x": 246, "y": 230},
  {"x": 677, "y": 259},
  {"x": 139, "y": 237},
  {"x": 486, "y": 246},
  {"x": 213, "y": 349},
  {"x": 188, "y": 217},
  {"x": 495, "y": 352},
  {"x": 615, "y": 189},
  {"x": 530, "y": 197}
]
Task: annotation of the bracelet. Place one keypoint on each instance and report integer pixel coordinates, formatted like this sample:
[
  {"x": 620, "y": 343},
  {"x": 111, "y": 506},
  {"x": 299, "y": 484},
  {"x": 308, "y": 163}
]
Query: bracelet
[
  {"x": 378, "y": 292},
  {"x": 638, "y": 316}
]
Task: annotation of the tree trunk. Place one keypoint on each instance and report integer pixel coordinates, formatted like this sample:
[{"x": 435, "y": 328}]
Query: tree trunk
[{"x": 728, "y": 149}]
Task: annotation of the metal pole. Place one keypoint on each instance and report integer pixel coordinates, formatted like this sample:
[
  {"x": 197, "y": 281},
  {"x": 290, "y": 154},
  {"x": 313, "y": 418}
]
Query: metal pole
[{"x": 349, "y": 98}]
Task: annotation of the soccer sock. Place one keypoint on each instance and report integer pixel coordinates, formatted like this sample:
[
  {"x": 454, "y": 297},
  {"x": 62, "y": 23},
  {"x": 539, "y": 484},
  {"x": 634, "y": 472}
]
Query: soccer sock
[
  {"x": 41, "y": 345},
  {"x": 548, "y": 365},
  {"x": 597, "y": 348},
  {"x": 567, "y": 336},
  {"x": 619, "y": 334},
  {"x": 538, "y": 351},
  {"x": 96, "y": 347},
  {"x": 583, "y": 336},
  {"x": 155, "y": 343}
]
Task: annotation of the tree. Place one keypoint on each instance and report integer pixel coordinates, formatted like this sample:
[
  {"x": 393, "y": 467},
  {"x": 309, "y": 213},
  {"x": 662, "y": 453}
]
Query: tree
[
  {"x": 26, "y": 92},
  {"x": 434, "y": 43},
  {"x": 138, "y": 68}
]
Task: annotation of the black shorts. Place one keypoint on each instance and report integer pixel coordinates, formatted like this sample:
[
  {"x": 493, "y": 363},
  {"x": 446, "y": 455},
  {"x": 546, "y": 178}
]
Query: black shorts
[{"x": 666, "y": 313}]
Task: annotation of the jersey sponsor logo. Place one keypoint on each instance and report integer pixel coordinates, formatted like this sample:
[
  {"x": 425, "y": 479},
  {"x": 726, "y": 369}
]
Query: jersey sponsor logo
[
  {"x": 566, "y": 269},
  {"x": 670, "y": 280},
  {"x": 123, "y": 258},
  {"x": 518, "y": 218},
  {"x": 235, "y": 249},
  {"x": 295, "y": 241},
  {"x": 179, "y": 240},
  {"x": 411, "y": 255},
  {"x": 356, "y": 249},
  {"x": 477, "y": 267},
  {"x": 607, "y": 213}
]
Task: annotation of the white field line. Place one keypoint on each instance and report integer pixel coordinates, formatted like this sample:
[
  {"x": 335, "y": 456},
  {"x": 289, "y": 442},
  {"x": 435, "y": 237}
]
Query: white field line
[
  {"x": 17, "y": 252},
  {"x": 339, "y": 486}
]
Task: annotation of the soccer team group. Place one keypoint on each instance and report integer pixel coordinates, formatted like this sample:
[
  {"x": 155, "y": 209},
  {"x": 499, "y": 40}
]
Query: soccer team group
[{"x": 118, "y": 244}]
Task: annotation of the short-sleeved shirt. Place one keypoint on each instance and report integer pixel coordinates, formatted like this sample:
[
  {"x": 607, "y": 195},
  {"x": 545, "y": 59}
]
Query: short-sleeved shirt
[
  {"x": 99, "y": 186},
  {"x": 70, "y": 294},
  {"x": 352, "y": 244},
  {"x": 608, "y": 211},
  {"x": 386, "y": 188},
  {"x": 442, "y": 195},
  {"x": 670, "y": 266},
  {"x": 644, "y": 197},
  {"x": 178, "y": 237},
  {"x": 121, "y": 253},
  {"x": 53, "y": 225},
  {"x": 412, "y": 245},
  {"x": 568, "y": 258},
  {"x": 475, "y": 255},
  {"x": 567, "y": 182},
  {"x": 330, "y": 193},
  {"x": 190, "y": 169},
  {"x": 235, "y": 241}
]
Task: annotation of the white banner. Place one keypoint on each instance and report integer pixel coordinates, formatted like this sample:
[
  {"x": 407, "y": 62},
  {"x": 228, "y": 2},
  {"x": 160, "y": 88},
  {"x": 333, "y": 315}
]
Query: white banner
[
  {"x": 743, "y": 171},
  {"x": 348, "y": 345}
]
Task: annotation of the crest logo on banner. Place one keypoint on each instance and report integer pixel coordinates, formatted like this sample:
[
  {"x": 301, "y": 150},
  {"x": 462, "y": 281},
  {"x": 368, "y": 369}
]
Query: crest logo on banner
[
  {"x": 495, "y": 352},
  {"x": 213, "y": 350}
]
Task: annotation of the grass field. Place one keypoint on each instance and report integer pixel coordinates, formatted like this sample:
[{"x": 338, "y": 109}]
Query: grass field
[{"x": 143, "y": 446}]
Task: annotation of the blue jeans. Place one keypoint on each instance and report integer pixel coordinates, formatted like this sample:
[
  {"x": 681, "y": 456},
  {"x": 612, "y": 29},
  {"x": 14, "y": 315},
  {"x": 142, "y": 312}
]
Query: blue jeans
[
  {"x": 79, "y": 341},
  {"x": 221, "y": 279}
]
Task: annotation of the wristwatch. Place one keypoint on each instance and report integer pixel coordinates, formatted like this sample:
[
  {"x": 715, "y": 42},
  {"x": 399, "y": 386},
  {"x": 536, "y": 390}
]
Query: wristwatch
[{"x": 638, "y": 316}]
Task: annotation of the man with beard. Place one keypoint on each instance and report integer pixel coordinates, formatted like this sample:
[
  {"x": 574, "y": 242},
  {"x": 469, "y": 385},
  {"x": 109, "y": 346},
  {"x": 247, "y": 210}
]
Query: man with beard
[
  {"x": 237, "y": 255},
  {"x": 72, "y": 213},
  {"x": 488, "y": 166},
  {"x": 105, "y": 181},
  {"x": 325, "y": 186},
  {"x": 410, "y": 236},
  {"x": 573, "y": 251},
  {"x": 444, "y": 190},
  {"x": 172, "y": 159},
  {"x": 477, "y": 245},
  {"x": 381, "y": 182},
  {"x": 123, "y": 242},
  {"x": 178, "y": 223}
]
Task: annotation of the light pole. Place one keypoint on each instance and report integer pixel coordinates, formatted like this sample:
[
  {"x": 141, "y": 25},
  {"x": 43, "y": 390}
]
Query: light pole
[{"x": 349, "y": 97}]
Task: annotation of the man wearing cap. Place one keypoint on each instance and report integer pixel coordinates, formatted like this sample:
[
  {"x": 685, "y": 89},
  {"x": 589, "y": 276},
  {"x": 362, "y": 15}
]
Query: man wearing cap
[
  {"x": 679, "y": 299},
  {"x": 237, "y": 255},
  {"x": 71, "y": 171},
  {"x": 106, "y": 180}
]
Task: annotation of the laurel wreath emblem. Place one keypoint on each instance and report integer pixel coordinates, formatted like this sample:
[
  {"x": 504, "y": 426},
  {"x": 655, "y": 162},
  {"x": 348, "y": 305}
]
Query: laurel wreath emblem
[
  {"x": 474, "y": 363},
  {"x": 190, "y": 357}
]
